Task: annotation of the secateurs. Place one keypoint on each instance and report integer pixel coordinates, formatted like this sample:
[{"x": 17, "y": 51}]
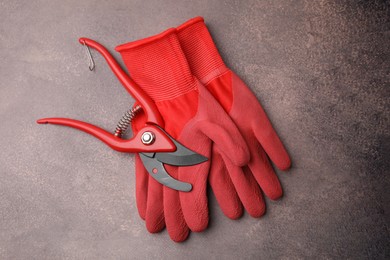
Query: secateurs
[{"x": 156, "y": 147}]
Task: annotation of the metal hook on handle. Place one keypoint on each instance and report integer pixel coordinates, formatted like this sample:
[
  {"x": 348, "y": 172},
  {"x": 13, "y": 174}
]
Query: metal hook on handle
[{"x": 91, "y": 65}]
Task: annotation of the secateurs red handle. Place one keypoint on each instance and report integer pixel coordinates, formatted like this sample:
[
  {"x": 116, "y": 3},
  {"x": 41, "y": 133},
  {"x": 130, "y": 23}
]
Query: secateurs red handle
[{"x": 137, "y": 144}]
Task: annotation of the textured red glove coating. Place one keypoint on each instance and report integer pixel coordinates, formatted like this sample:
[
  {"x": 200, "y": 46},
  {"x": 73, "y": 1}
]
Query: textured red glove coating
[{"x": 245, "y": 110}]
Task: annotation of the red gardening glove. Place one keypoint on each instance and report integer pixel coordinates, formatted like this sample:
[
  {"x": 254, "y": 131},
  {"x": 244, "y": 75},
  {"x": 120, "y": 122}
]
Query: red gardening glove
[
  {"x": 246, "y": 112},
  {"x": 194, "y": 118}
]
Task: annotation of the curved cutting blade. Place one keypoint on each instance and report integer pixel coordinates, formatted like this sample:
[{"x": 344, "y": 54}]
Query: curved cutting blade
[
  {"x": 157, "y": 171},
  {"x": 181, "y": 157}
]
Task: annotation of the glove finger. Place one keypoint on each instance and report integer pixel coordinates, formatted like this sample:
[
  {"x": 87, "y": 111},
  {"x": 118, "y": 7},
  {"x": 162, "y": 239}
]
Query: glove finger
[
  {"x": 141, "y": 187},
  {"x": 264, "y": 174},
  {"x": 256, "y": 121},
  {"x": 155, "y": 207},
  {"x": 194, "y": 203},
  {"x": 247, "y": 189},
  {"x": 223, "y": 188},
  {"x": 174, "y": 218},
  {"x": 254, "y": 201},
  {"x": 270, "y": 141}
]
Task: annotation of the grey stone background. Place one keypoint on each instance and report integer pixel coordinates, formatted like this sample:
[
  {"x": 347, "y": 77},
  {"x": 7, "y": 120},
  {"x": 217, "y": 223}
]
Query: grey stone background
[{"x": 320, "y": 68}]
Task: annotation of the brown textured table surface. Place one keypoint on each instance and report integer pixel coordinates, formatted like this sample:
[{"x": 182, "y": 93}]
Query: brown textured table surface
[{"x": 320, "y": 68}]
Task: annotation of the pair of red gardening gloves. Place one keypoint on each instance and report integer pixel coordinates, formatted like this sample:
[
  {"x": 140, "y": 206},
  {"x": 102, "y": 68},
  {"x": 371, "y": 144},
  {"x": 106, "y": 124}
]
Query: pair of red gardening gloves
[{"x": 207, "y": 108}]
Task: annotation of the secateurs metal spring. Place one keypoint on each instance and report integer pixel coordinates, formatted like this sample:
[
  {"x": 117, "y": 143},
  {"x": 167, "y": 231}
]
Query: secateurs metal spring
[
  {"x": 155, "y": 146},
  {"x": 125, "y": 121}
]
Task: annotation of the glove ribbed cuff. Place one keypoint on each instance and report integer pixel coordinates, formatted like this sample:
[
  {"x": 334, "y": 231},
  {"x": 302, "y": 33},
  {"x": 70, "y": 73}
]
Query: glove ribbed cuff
[
  {"x": 158, "y": 65},
  {"x": 201, "y": 53}
]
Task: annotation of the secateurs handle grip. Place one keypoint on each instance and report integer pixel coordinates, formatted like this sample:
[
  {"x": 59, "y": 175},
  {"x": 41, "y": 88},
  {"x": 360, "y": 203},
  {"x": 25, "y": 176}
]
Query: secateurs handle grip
[
  {"x": 133, "y": 145},
  {"x": 149, "y": 107}
]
